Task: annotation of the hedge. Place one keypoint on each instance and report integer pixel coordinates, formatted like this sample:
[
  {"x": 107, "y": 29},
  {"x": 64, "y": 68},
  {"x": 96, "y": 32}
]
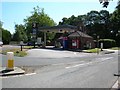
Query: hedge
[{"x": 107, "y": 43}]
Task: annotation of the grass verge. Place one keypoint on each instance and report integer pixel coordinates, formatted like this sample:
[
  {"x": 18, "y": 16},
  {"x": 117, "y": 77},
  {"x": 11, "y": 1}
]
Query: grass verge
[
  {"x": 95, "y": 50},
  {"x": 115, "y": 48},
  {"x": 17, "y": 52}
]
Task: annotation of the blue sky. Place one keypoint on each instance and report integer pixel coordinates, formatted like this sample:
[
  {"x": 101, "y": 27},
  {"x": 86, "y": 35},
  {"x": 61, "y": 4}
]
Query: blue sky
[{"x": 16, "y": 12}]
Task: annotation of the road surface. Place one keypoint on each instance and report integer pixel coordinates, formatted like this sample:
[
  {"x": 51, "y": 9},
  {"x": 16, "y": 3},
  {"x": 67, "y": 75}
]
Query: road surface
[
  {"x": 77, "y": 71},
  {"x": 90, "y": 71}
]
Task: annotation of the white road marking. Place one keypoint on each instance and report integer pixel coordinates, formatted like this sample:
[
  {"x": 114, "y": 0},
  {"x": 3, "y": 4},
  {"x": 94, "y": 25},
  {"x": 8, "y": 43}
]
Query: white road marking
[
  {"x": 78, "y": 65},
  {"x": 83, "y": 64},
  {"x": 69, "y": 63},
  {"x": 75, "y": 53},
  {"x": 103, "y": 59},
  {"x": 115, "y": 85},
  {"x": 59, "y": 64}
]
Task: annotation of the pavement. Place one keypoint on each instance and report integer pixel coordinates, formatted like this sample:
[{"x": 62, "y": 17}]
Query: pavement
[{"x": 6, "y": 72}]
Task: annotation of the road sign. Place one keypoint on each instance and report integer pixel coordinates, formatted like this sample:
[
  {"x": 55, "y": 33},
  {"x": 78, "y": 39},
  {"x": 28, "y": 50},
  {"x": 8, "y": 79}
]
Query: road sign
[
  {"x": 34, "y": 31},
  {"x": 21, "y": 42}
]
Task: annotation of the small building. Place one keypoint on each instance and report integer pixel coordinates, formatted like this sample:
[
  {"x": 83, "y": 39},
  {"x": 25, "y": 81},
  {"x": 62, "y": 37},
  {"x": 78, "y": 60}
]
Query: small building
[{"x": 80, "y": 40}]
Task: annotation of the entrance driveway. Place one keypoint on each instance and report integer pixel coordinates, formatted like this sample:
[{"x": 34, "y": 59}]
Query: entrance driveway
[{"x": 47, "y": 53}]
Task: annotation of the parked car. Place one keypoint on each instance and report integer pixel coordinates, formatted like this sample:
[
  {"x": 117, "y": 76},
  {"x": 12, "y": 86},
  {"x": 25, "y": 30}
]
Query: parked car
[
  {"x": 1, "y": 43},
  {"x": 31, "y": 43}
]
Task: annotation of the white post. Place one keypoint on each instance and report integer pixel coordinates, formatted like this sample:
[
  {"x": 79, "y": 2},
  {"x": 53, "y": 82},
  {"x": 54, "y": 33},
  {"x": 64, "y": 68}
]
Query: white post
[
  {"x": 10, "y": 63},
  {"x": 101, "y": 46}
]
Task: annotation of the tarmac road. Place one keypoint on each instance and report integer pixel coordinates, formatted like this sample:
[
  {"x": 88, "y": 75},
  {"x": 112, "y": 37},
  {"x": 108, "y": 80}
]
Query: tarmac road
[{"x": 94, "y": 71}]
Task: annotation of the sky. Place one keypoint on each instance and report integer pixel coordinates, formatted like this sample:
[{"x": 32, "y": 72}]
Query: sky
[{"x": 15, "y": 11}]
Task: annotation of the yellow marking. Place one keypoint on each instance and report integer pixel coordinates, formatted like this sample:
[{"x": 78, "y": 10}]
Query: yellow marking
[{"x": 10, "y": 64}]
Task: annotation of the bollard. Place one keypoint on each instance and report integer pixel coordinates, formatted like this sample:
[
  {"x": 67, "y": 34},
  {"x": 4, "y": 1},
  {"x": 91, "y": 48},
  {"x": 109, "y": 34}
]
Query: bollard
[{"x": 10, "y": 63}]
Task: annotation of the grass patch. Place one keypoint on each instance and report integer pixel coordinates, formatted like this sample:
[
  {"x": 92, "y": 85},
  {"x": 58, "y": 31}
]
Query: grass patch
[
  {"x": 95, "y": 50},
  {"x": 17, "y": 52},
  {"x": 115, "y": 48}
]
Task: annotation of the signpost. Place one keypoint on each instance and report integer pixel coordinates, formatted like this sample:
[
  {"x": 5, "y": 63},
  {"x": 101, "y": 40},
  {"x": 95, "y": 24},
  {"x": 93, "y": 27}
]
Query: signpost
[
  {"x": 39, "y": 41},
  {"x": 101, "y": 46},
  {"x": 21, "y": 43},
  {"x": 34, "y": 32}
]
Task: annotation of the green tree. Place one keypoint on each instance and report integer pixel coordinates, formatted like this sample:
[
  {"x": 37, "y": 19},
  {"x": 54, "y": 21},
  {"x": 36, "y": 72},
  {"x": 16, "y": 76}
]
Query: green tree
[
  {"x": 20, "y": 33},
  {"x": 93, "y": 17},
  {"x": 0, "y": 31},
  {"x": 98, "y": 23},
  {"x": 40, "y": 17},
  {"x": 1, "y": 24},
  {"x": 65, "y": 21},
  {"x": 115, "y": 22},
  {"x": 105, "y": 23},
  {"x": 6, "y": 36}
]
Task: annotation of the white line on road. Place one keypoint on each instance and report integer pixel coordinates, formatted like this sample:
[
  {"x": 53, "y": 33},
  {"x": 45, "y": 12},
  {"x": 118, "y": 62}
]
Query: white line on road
[
  {"x": 69, "y": 63},
  {"x": 78, "y": 65},
  {"x": 103, "y": 59},
  {"x": 115, "y": 85},
  {"x": 83, "y": 64}
]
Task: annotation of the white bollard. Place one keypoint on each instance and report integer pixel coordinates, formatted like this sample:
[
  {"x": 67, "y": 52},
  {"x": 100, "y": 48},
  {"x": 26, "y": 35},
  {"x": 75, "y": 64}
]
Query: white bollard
[
  {"x": 101, "y": 46},
  {"x": 10, "y": 63}
]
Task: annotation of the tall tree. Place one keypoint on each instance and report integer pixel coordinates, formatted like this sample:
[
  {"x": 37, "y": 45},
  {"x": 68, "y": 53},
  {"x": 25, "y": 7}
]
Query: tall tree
[
  {"x": 20, "y": 33},
  {"x": 40, "y": 17},
  {"x": 6, "y": 36},
  {"x": 115, "y": 22},
  {"x": 93, "y": 17}
]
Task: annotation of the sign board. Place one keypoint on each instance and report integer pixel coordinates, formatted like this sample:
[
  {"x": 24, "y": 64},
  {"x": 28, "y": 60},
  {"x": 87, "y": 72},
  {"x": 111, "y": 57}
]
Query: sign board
[
  {"x": 21, "y": 42},
  {"x": 39, "y": 40},
  {"x": 34, "y": 31},
  {"x": 74, "y": 43}
]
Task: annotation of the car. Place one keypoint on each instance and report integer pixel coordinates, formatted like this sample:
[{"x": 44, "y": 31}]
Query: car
[
  {"x": 30, "y": 43},
  {"x": 1, "y": 43}
]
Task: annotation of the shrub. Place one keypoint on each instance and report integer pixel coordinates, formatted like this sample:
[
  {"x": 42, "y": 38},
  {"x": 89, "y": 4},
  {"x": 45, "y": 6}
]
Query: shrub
[{"x": 107, "y": 43}]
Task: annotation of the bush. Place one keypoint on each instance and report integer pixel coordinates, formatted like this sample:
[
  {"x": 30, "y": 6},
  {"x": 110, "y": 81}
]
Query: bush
[{"x": 107, "y": 43}]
